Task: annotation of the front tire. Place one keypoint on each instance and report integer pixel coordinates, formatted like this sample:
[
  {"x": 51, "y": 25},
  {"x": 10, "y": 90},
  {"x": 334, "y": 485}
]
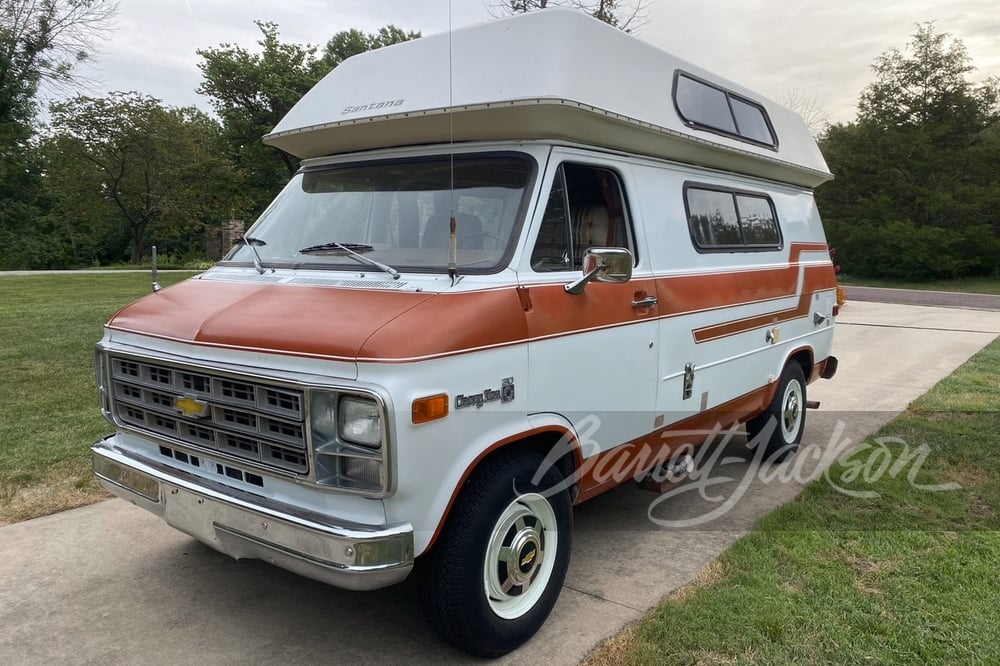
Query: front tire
[
  {"x": 779, "y": 428},
  {"x": 499, "y": 563}
]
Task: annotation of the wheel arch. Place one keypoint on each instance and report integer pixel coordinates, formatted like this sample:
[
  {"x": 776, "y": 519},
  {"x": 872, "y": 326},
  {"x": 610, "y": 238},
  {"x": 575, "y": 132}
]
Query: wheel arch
[
  {"x": 804, "y": 356},
  {"x": 801, "y": 355},
  {"x": 556, "y": 443}
]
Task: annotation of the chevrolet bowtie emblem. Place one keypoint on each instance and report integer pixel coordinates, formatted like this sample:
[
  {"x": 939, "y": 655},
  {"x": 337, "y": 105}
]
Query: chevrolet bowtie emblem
[
  {"x": 191, "y": 407},
  {"x": 528, "y": 559}
]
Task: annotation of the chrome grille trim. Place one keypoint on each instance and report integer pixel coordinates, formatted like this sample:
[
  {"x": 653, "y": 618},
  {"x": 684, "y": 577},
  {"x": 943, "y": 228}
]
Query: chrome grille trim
[{"x": 261, "y": 423}]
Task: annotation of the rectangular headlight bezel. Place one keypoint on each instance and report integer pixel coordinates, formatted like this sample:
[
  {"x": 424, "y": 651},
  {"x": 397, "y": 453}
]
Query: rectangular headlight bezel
[{"x": 335, "y": 455}]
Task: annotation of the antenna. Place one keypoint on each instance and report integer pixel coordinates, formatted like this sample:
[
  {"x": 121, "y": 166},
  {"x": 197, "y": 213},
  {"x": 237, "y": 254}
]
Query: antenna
[
  {"x": 156, "y": 274},
  {"x": 453, "y": 223}
]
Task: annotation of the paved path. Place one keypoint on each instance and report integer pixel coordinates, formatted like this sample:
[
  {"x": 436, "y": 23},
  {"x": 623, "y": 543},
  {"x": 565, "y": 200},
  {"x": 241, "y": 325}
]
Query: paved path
[
  {"x": 949, "y": 299},
  {"x": 110, "y": 584}
]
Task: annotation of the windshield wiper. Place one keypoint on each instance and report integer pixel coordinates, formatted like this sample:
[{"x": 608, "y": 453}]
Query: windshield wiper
[
  {"x": 352, "y": 250},
  {"x": 252, "y": 243},
  {"x": 333, "y": 247}
]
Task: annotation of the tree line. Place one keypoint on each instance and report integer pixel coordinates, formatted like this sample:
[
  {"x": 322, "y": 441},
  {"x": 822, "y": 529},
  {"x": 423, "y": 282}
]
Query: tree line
[
  {"x": 107, "y": 177},
  {"x": 917, "y": 188},
  {"x": 916, "y": 194}
]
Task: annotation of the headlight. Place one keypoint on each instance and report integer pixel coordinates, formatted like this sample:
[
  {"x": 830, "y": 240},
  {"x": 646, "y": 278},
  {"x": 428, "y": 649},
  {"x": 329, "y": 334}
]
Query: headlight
[{"x": 360, "y": 422}]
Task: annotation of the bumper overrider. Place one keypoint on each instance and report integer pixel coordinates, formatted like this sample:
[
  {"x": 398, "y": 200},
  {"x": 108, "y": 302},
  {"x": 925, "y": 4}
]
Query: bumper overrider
[{"x": 354, "y": 557}]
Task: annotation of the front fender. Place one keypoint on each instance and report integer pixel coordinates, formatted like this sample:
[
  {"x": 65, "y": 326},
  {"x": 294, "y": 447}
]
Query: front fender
[{"x": 430, "y": 485}]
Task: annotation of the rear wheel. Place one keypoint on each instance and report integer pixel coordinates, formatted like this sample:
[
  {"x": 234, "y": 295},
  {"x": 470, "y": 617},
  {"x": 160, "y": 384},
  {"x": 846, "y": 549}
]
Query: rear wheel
[
  {"x": 497, "y": 568},
  {"x": 779, "y": 428}
]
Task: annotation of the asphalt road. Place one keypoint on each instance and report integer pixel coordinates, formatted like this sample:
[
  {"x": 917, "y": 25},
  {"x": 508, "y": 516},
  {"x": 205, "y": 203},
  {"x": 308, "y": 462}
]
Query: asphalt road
[
  {"x": 110, "y": 584},
  {"x": 945, "y": 299}
]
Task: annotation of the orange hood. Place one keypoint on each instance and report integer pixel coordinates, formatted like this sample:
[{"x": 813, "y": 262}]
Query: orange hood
[{"x": 335, "y": 323}]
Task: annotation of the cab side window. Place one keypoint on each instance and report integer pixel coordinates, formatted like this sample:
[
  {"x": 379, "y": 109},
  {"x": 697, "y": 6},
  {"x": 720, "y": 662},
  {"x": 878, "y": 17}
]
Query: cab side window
[{"x": 586, "y": 208}]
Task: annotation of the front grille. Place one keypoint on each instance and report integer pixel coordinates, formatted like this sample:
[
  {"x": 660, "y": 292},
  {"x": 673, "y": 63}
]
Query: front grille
[{"x": 245, "y": 419}]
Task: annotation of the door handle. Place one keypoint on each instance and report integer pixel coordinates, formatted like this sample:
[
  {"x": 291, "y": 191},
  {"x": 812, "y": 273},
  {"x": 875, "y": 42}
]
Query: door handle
[{"x": 647, "y": 302}]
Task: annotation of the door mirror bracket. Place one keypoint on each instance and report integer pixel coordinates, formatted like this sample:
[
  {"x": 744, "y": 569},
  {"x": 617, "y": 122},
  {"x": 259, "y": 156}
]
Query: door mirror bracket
[{"x": 604, "y": 264}]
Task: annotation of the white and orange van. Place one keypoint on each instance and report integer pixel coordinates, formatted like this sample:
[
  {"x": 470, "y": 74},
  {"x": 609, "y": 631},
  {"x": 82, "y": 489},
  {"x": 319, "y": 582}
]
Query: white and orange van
[{"x": 498, "y": 239}]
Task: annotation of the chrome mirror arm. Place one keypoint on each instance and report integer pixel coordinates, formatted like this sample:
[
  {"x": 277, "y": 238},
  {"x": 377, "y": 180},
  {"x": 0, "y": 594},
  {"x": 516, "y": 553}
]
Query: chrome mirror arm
[
  {"x": 604, "y": 264},
  {"x": 577, "y": 286}
]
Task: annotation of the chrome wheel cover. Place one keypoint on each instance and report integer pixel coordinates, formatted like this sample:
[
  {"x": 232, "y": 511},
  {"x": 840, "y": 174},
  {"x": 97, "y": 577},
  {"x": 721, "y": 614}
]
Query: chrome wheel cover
[{"x": 792, "y": 404}]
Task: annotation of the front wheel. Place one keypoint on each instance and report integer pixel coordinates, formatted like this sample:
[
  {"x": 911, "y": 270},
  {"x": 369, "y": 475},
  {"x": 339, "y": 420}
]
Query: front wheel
[
  {"x": 779, "y": 428},
  {"x": 497, "y": 568}
]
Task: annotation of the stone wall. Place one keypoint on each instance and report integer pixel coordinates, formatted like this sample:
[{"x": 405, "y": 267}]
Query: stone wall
[{"x": 220, "y": 239}]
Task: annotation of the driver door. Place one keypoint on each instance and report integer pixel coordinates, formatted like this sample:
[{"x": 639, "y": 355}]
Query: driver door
[{"x": 592, "y": 356}]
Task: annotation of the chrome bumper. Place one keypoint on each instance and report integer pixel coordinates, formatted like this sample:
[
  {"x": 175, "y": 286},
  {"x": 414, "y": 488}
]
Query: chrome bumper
[{"x": 355, "y": 557}]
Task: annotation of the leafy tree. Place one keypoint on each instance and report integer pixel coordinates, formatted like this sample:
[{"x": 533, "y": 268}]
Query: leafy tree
[
  {"x": 251, "y": 92},
  {"x": 626, "y": 16},
  {"x": 41, "y": 42},
  {"x": 917, "y": 193},
  {"x": 347, "y": 43},
  {"x": 153, "y": 171},
  {"x": 23, "y": 244},
  {"x": 928, "y": 88}
]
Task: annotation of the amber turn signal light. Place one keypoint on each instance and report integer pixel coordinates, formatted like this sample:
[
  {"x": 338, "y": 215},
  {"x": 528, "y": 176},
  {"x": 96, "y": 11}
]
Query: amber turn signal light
[{"x": 430, "y": 408}]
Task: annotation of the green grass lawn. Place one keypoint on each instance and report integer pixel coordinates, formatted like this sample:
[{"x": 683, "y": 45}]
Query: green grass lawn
[
  {"x": 49, "y": 415},
  {"x": 970, "y": 285},
  {"x": 909, "y": 577}
]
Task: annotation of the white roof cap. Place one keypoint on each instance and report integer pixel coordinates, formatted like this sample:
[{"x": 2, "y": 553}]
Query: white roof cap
[{"x": 552, "y": 74}]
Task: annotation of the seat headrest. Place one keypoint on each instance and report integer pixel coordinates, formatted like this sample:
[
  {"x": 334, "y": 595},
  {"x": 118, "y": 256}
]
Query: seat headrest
[{"x": 591, "y": 224}]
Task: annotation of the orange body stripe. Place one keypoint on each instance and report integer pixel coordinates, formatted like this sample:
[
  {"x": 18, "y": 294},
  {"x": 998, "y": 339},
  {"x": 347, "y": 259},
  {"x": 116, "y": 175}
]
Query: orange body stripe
[{"x": 396, "y": 326}]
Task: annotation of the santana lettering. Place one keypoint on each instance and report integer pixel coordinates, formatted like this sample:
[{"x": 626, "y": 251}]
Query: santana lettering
[{"x": 371, "y": 107}]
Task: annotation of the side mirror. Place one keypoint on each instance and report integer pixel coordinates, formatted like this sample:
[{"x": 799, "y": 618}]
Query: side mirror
[{"x": 604, "y": 264}]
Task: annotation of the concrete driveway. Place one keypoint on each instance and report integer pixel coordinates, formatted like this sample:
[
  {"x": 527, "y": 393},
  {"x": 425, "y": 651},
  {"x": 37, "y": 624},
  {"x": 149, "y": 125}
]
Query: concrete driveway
[{"x": 111, "y": 584}]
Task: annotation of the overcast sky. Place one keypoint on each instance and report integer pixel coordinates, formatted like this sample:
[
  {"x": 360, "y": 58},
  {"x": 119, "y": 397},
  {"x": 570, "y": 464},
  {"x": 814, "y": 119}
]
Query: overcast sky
[{"x": 821, "y": 49}]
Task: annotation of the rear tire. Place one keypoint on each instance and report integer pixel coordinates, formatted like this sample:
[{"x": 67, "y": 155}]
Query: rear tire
[
  {"x": 779, "y": 428},
  {"x": 497, "y": 567}
]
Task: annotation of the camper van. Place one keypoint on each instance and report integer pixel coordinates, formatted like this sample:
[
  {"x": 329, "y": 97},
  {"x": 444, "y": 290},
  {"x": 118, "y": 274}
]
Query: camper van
[{"x": 521, "y": 264}]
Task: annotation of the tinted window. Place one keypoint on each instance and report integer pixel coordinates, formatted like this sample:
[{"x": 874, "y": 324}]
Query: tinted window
[
  {"x": 750, "y": 121},
  {"x": 597, "y": 216},
  {"x": 721, "y": 219},
  {"x": 702, "y": 104},
  {"x": 757, "y": 220},
  {"x": 712, "y": 216},
  {"x": 398, "y": 212},
  {"x": 551, "y": 251}
]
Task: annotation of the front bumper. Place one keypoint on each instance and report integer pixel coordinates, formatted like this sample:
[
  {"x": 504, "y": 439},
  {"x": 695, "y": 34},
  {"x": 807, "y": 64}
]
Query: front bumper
[{"x": 241, "y": 525}]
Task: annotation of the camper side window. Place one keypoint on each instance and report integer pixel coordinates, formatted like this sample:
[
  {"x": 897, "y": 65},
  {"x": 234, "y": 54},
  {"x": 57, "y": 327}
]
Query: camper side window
[
  {"x": 729, "y": 220},
  {"x": 707, "y": 106},
  {"x": 586, "y": 208}
]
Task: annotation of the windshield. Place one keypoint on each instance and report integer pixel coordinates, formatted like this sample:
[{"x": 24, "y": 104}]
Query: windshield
[{"x": 395, "y": 213}]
